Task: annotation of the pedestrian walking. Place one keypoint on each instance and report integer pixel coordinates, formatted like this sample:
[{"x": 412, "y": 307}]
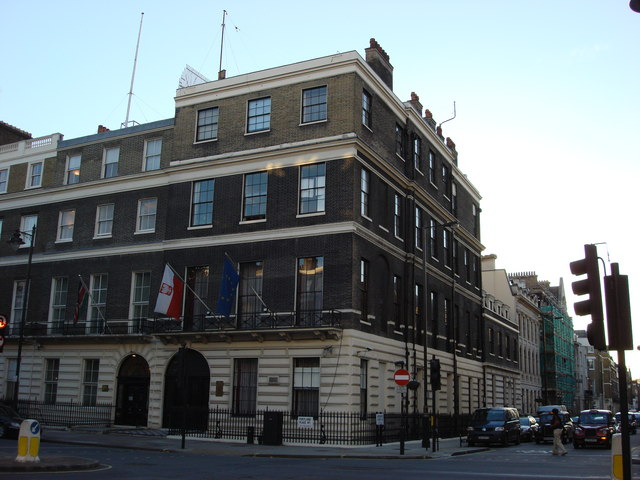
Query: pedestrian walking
[{"x": 557, "y": 427}]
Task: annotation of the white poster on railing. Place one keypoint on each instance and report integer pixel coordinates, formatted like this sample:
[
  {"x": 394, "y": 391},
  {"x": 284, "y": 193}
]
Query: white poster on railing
[{"x": 305, "y": 422}]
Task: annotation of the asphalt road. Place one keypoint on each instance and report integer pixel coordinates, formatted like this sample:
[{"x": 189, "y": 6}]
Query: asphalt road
[{"x": 522, "y": 462}]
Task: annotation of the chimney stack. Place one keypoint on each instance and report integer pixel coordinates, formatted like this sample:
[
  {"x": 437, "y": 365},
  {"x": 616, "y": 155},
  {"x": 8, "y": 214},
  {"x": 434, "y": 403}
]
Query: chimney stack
[
  {"x": 378, "y": 60},
  {"x": 102, "y": 129}
]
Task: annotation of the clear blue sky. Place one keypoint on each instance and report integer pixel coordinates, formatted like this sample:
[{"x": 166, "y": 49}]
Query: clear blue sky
[{"x": 546, "y": 92}]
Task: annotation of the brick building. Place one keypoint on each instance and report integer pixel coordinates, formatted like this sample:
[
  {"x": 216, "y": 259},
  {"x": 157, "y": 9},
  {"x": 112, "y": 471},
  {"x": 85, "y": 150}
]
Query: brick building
[{"x": 334, "y": 201}]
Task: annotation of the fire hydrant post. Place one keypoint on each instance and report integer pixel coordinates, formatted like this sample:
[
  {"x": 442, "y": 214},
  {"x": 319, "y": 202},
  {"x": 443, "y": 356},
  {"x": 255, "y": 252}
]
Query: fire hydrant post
[{"x": 29, "y": 441}]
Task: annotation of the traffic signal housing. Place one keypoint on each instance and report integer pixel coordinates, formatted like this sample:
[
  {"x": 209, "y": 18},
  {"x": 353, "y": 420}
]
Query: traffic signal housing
[
  {"x": 590, "y": 286},
  {"x": 616, "y": 292},
  {"x": 435, "y": 374}
]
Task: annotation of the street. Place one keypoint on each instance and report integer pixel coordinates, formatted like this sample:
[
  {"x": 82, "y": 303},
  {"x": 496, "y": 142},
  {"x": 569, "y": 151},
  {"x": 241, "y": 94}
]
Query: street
[{"x": 525, "y": 461}]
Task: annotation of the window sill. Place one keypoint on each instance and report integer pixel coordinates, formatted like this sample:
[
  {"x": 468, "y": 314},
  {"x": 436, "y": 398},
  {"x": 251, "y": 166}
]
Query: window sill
[
  {"x": 315, "y": 122},
  {"x": 200, "y": 227},
  {"x": 100, "y": 237},
  {"x": 64, "y": 240},
  {"x": 144, "y": 232},
  {"x": 266, "y": 130},
  {"x": 248, "y": 222},
  {"x": 208, "y": 140},
  {"x": 311, "y": 214}
]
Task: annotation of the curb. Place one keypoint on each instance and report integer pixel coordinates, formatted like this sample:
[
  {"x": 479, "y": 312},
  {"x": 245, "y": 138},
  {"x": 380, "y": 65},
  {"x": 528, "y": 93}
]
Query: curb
[{"x": 49, "y": 464}]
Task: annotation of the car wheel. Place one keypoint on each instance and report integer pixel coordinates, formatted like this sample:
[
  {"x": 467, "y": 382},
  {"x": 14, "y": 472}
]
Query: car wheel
[
  {"x": 517, "y": 438},
  {"x": 505, "y": 439}
]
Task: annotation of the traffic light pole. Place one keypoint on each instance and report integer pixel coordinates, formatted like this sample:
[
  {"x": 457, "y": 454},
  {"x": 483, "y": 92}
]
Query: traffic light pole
[{"x": 624, "y": 414}]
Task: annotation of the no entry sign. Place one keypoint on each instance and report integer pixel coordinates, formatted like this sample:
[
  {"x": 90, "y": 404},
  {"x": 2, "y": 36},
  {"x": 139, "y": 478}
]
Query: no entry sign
[{"x": 401, "y": 377}]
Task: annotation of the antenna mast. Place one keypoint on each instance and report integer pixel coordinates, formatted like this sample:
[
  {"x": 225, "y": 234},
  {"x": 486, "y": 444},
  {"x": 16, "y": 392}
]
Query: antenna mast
[
  {"x": 133, "y": 76},
  {"x": 222, "y": 73}
]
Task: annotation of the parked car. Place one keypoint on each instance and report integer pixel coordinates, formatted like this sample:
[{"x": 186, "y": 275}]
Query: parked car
[
  {"x": 494, "y": 425},
  {"x": 528, "y": 428},
  {"x": 9, "y": 421},
  {"x": 595, "y": 427},
  {"x": 545, "y": 432}
]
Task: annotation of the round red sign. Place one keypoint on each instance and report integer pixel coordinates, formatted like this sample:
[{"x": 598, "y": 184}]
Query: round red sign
[{"x": 401, "y": 377}]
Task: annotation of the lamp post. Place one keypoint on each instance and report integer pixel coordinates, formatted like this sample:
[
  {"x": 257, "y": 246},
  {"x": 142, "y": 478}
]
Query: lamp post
[
  {"x": 425, "y": 440},
  {"x": 16, "y": 240}
]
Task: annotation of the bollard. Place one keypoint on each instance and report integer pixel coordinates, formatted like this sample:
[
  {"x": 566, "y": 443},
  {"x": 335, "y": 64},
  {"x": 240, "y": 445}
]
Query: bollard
[
  {"x": 28, "y": 441},
  {"x": 616, "y": 457}
]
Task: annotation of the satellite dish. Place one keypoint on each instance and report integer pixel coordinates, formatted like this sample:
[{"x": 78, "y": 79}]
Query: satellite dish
[{"x": 191, "y": 77}]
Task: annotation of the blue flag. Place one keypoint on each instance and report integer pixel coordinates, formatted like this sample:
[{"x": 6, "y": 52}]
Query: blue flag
[{"x": 228, "y": 288}]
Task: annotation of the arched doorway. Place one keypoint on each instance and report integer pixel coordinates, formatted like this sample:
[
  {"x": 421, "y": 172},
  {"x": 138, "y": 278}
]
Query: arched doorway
[
  {"x": 132, "y": 404},
  {"x": 186, "y": 391}
]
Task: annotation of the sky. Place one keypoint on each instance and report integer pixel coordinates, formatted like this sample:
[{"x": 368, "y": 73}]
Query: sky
[{"x": 546, "y": 96}]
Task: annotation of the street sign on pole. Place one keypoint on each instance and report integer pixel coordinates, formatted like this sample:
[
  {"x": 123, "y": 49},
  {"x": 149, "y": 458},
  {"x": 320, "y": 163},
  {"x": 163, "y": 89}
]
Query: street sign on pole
[{"x": 401, "y": 377}]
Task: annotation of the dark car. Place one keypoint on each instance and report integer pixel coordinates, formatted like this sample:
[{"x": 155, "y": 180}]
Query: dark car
[
  {"x": 9, "y": 421},
  {"x": 633, "y": 424},
  {"x": 494, "y": 425},
  {"x": 528, "y": 428},
  {"x": 595, "y": 427},
  {"x": 545, "y": 432}
]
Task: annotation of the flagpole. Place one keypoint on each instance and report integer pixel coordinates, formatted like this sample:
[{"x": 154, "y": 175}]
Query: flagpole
[
  {"x": 106, "y": 324},
  {"x": 187, "y": 285},
  {"x": 261, "y": 300}
]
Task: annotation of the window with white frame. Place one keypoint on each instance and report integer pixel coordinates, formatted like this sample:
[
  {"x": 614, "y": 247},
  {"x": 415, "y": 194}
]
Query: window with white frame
[
  {"x": 111, "y": 157},
  {"x": 245, "y": 386},
  {"x": 312, "y": 188},
  {"x": 417, "y": 153},
  {"x": 141, "y": 289},
  {"x": 11, "y": 379},
  {"x": 59, "y": 289},
  {"x": 250, "y": 290},
  {"x": 259, "y": 115},
  {"x": 72, "y": 173},
  {"x": 306, "y": 387},
  {"x": 147, "y": 208},
  {"x": 202, "y": 203},
  {"x": 433, "y": 239},
  {"x": 418, "y": 229},
  {"x": 90, "y": 382},
  {"x": 52, "y": 372},
  {"x": 207, "y": 128},
  {"x": 400, "y": 141},
  {"x": 34, "y": 178},
  {"x": 255, "y": 196},
  {"x": 4, "y": 179},
  {"x": 365, "y": 181},
  {"x": 66, "y": 221},
  {"x": 309, "y": 289},
  {"x": 1, "y": 221},
  {"x": 152, "y": 151},
  {"x": 19, "y": 294},
  {"x": 367, "y": 101},
  {"x": 314, "y": 104},
  {"x": 397, "y": 216},
  {"x": 27, "y": 223},
  {"x": 97, "y": 302},
  {"x": 432, "y": 167},
  {"x": 364, "y": 380},
  {"x": 104, "y": 220}
]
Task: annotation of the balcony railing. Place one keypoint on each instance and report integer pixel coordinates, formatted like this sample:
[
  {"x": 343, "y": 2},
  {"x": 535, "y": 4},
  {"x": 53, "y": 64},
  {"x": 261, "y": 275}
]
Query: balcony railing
[
  {"x": 25, "y": 146},
  {"x": 198, "y": 323}
]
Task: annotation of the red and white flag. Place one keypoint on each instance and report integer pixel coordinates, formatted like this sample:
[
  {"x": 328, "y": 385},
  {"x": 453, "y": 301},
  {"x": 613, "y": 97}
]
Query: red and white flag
[{"x": 169, "y": 300}]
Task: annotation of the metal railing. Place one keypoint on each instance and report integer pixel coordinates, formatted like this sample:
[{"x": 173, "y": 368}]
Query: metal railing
[
  {"x": 333, "y": 428},
  {"x": 67, "y": 414},
  {"x": 198, "y": 323}
]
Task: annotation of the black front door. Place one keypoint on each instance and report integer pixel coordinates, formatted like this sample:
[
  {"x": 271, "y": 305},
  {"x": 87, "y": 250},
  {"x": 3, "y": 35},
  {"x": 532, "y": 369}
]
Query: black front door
[{"x": 133, "y": 392}]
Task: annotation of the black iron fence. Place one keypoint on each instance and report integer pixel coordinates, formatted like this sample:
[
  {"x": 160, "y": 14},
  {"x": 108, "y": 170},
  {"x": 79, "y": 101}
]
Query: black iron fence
[
  {"x": 264, "y": 426},
  {"x": 67, "y": 414},
  {"x": 335, "y": 428}
]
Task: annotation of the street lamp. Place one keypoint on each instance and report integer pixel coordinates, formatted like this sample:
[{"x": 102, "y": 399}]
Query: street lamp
[
  {"x": 450, "y": 225},
  {"x": 17, "y": 241}
]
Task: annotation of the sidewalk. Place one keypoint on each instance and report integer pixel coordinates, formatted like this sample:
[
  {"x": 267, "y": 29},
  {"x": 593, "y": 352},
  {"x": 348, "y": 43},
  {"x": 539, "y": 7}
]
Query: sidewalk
[{"x": 157, "y": 440}]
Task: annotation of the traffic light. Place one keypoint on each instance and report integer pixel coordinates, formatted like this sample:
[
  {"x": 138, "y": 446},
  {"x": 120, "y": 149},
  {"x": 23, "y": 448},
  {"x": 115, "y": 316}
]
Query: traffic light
[
  {"x": 3, "y": 326},
  {"x": 616, "y": 292},
  {"x": 590, "y": 286},
  {"x": 435, "y": 374}
]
